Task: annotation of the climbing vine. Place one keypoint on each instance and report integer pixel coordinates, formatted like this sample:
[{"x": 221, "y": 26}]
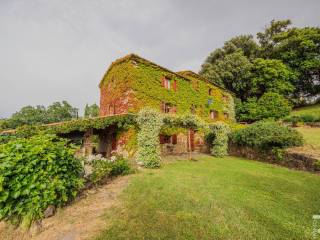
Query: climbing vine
[
  {"x": 220, "y": 133},
  {"x": 149, "y": 122},
  {"x": 144, "y": 79}
]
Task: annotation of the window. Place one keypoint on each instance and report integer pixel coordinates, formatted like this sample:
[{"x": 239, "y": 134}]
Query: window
[
  {"x": 169, "y": 84},
  {"x": 210, "y": 91},
  {"x": 168, "y": 108},
  {"x": 213, "y": 114},
  {"x": 226, "y": 115},
  {"x": 165, "y": 139},
  {"x": 210, "y": 101}
]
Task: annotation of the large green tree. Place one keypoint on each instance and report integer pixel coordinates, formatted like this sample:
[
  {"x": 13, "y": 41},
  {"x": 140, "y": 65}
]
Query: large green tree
[
  {"x": 58, "y": 112},
  {"x": 299, "y": 49},
  {"x": 271, "y": 75},
  {"x": 230, "y": 68},
  {"x": 285, "y": 60},
  {"x": 30, "y": 115},
  {"x": 91, "y": 110}
]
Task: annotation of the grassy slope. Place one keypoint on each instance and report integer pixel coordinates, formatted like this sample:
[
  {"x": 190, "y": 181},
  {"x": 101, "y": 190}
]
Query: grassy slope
[
  {"x": 310, "y": 135},
  {"x": 217, "y": 199},
  {"x": 311, "y": 110}
]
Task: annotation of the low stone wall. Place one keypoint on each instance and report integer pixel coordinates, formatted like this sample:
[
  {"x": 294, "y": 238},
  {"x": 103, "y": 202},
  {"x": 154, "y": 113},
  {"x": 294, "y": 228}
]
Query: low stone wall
[{"x": 290, "y": 158}]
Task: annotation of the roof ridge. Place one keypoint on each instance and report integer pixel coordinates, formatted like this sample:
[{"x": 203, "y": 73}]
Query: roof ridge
[{"x": 179, "y": 73}]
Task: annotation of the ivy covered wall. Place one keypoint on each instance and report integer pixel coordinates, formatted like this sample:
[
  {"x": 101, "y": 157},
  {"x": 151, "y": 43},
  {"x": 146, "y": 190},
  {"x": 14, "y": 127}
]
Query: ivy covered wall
[{"x": 136, "y": 82}]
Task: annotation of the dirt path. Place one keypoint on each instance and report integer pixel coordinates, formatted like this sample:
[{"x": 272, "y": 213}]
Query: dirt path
[{"x": 81, "y": 220}]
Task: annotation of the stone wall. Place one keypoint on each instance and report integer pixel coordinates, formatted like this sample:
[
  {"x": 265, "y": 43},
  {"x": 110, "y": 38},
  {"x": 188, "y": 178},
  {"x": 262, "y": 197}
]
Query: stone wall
[{"x": 289, "y": 158}]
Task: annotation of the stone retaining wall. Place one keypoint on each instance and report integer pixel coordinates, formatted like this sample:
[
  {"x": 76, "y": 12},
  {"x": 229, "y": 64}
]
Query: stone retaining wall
[{"x": 290, "y": 158}]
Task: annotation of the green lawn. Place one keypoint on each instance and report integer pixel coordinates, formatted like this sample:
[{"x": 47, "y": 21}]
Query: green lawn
[
  {"x": 310, "y": 110},
  {"x": 310, "y": 135},
  {"x": 216, "y": 198}
]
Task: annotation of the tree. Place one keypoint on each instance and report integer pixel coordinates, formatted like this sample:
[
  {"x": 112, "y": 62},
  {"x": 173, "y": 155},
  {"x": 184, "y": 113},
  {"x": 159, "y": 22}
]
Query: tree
[
  {"x": 58, "y": 112},
  {"x": 230, "y": 71},
  {"x": 28, "y": 115},
  {"x": 299, "y": 49},
  {"x": 268, "y": 38},
  {"x": 271, "y": 75},
  {"x": 270, "y": 105},
  {"x": 91, "y": 111}
]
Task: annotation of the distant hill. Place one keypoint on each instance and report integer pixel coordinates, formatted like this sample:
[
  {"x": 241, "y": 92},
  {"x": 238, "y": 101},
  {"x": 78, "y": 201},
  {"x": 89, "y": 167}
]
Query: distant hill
[{"x": 310, "y": 110}]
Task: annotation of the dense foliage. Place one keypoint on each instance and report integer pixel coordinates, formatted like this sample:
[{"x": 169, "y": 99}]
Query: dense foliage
[
  {"x": 284, "y": 61},
  {"x": 266, "y": 135},
  {"x": 149, "y": 122},
  {"x": 106, "y": 168},
  {"x": 303, "y": 118},
  {"x": 270, "y": 105},
  {"x": 219, "y": 144},
  {"x": 91, "y": 110},
  {"x": 34, "y": 173},
  {"x": 141, "y": 80},
  {"x": 29, "y": 115}
]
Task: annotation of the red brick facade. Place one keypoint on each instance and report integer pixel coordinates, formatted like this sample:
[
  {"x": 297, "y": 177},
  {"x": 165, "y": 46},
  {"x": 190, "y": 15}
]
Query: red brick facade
[{"x": 111, "y": 104}]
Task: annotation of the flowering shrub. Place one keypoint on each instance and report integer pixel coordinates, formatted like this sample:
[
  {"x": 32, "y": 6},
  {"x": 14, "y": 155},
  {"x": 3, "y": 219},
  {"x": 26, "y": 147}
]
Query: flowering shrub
[
  {"x": 149, "y": 122},
  {"x": 99, "y": 168},
  {"x": 221, "y": 132},
  {"x": 35, "y": 173}
]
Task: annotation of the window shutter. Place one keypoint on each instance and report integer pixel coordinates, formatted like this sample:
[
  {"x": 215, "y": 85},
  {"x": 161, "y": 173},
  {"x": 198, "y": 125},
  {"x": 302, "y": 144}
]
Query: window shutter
[
  {"x": 174, "y": 139},
  {"x": 162, "y": 81},
  {"x": 175, "y": 85},
  {"x": 161, "y": 139}
]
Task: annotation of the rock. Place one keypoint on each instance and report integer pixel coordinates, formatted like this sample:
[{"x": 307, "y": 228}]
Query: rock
[
  {"x": 87, "y": 170},
  {"x": 50, "y": 211},
  {"x": 36, "y": 228}
]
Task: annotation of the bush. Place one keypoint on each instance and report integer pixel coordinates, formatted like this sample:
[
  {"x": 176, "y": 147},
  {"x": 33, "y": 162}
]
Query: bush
[
  {"x": 104, "y": 168},
  {"x": 304, "y": 118},
  {"x": 266, "y": 135},
  {"x": 35, "y": 173},
  {"x": 270, "y": 105}
]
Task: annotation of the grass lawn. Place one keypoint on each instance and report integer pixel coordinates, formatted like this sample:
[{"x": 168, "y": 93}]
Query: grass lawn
[
  {"x": 310, "y": 135},
  {"x": 216, "y": 198},
  {"x": 310, "y": 110}
]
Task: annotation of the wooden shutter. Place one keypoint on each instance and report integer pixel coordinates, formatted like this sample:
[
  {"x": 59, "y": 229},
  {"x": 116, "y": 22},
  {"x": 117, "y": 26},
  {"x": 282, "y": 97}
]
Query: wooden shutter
[
  {"x": 174, "y": 139},
  {"x": 175, "y": 85},
  {"x": 162, "y": 81},
  {"x": 161, "y": 139}
]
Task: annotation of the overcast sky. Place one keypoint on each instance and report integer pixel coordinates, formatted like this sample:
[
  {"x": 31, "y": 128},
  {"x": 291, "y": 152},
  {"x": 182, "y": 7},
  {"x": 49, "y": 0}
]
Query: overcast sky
[{"x": 54, "y": 50}]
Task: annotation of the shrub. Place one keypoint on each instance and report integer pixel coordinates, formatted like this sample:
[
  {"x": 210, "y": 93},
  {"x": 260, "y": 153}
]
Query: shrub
[
  {"x": 104, "y": 168},
  {"x": 266, "y": 135},
  {"x": 35, "y": 173},
  {"x": 149, "y": 122},
  {"x": 270, "y": 105},
  {"x": 307, "y": 118}
]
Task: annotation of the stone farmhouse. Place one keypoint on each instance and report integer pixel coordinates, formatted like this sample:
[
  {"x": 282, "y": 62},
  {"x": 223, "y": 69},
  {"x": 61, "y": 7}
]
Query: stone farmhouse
[{"x": 132, "y": 83}]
